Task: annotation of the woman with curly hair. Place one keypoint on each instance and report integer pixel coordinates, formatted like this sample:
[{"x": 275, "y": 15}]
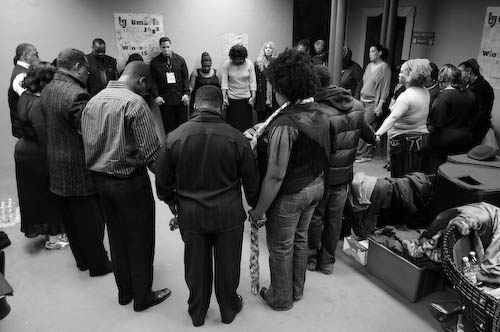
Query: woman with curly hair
[
  {"x": 265, "y": 99},
  {"x": 406, "y": 125},
  {"x": 293, "y": 148},
  {"x": 41, "y": 210},
  {"x": 449, "y": 119},
  {"x": 238, "y": 86}
]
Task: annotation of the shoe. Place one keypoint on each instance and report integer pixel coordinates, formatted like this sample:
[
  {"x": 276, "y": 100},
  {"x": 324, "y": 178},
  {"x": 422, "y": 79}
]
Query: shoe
[
  {"x": 56, "y": 245},
  {"x": 158, "y": 297},
  {"x": 363, "y": 160},
  {"x": 238, "y": 310},
  {"x": 63, "y": 237},
  {"x": 263, "y": 295},
  {"x": 101, "y": 272},
  {"x": 312, "y": 266},
  {"x": 326, "y": 269},
  {"x": 124, "y": 300}
]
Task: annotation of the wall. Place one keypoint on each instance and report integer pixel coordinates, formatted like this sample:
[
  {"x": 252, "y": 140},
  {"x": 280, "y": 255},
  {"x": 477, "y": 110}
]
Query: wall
[
  {"x": 193, "y": 25},
  {"x": 458, "y": 27}
]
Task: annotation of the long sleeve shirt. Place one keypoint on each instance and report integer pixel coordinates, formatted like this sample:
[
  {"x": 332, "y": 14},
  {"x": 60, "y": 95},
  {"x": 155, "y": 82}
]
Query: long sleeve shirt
[
  {"x": 240, "y": 80},
  {"x": 171, "y": 92},
  {"x": 376, "y": 83},
  {"x": 63, "y": 101},
  {"x": 201, "y": 167},
  {"x": 118, "y": 132}
]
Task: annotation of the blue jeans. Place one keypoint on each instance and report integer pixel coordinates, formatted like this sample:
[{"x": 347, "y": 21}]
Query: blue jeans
[
  {"x": 287, "y": 227},
  {"x": 365, "y": 150},
  {"x": 326, "y": 225}
]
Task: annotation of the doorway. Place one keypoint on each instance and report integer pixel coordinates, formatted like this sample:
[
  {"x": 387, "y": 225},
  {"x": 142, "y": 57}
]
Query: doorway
[
  {"x": 311, "y": 21},
  {"x": 373, "y": 27}
]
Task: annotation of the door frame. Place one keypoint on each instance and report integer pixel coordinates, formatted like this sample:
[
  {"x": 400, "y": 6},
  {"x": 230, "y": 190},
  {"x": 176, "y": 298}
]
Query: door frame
[{"x": 408, "y": 12}]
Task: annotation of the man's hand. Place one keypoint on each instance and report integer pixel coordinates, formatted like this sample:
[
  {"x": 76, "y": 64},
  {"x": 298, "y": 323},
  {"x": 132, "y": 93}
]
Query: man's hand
[
  {"x": 378, "y": 110},
  {"x": 159, "y": 101},
  {"x": 185, "y": 100}
]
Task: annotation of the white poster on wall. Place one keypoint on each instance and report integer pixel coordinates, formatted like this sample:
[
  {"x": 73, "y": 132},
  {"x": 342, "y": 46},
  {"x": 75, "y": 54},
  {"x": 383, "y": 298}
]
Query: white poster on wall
[
  {"x": 230, "y": 39},
  {"x": 137, "y": 33},
  {"x": 489, "y": 52}
]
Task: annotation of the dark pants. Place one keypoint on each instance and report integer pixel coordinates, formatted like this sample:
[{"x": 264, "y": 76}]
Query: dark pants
[
  {"x": 326, "y": 225},
  {"x": 129, "y": 208},
  {"x": 407, "y": 153},
  {"x": 200, "y": 249},
  {"x": 173, "y": 116},
  {"x": 287, "y": 225},
  {"x": 239, "y": 114},
  {"x": 84, "y": 224}
]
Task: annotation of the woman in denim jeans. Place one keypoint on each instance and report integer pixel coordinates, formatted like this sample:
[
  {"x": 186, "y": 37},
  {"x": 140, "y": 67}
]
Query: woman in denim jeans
[
  {"x": 292, "y": 149},
  {"x": 407, "y": 123}
]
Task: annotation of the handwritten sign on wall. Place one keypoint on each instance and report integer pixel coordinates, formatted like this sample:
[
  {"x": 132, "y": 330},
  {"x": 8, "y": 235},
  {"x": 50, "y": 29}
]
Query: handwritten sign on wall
[
  {"x": 138, "y": 33},
  {"x": 489, "y": 52}
]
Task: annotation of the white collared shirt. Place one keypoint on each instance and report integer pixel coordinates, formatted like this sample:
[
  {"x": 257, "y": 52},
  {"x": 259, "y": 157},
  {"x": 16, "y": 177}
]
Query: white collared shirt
[{"x": 16, "y": 83}]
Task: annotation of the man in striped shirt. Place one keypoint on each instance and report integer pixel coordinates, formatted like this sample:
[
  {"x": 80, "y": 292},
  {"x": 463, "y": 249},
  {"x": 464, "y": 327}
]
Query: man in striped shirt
[{"x": 120, "y": 142}]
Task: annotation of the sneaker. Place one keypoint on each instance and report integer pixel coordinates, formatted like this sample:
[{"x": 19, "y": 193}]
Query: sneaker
[
  {"x": 363, "y": 160},
  {"x": 63, "y": 237},
  {"x": 55, "y": 245}
]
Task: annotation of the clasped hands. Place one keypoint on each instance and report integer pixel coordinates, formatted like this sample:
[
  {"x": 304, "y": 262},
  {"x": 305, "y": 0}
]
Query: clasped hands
[{"x": 255, "y": 219}]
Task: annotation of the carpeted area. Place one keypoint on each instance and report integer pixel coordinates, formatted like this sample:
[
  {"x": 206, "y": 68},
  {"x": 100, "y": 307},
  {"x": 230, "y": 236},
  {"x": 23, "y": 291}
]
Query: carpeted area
[{"x": 52, "y": 295}]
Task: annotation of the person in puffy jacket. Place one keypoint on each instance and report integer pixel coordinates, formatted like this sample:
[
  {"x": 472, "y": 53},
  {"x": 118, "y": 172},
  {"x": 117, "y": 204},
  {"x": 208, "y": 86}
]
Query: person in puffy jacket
[{"x": 347, "y": 126}]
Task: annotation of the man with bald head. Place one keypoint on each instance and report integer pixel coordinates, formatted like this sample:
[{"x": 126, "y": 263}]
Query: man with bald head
[
  {"x": 199, "y": 174},
  {"x": 120, "y": 143},
  {"x": 102, "y": 67}
]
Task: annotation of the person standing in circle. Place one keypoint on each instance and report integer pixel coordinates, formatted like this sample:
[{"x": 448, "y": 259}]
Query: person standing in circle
[
  {"x": 171, "y": 93},
  {"x": 205, "y": 75},
  {"x": 239, "y": 86},
  {"x": 374, "y": 93},
  {"x": 265, "y": 100}
]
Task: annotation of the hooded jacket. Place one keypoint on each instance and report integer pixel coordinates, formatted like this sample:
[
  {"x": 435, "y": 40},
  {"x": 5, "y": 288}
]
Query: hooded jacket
[{"x": 347, "y": 125}]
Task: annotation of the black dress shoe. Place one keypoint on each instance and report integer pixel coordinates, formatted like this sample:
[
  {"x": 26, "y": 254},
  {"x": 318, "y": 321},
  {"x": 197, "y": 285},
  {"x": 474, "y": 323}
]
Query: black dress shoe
[
  {"x": 238, "y": 310},
  {"x": 158, "y": 297}
]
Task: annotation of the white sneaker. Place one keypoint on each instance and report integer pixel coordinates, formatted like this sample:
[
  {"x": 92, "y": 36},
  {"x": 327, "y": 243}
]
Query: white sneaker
[
  {"x": 363, "y": 160},
  {"x": 57, "y": 245}
]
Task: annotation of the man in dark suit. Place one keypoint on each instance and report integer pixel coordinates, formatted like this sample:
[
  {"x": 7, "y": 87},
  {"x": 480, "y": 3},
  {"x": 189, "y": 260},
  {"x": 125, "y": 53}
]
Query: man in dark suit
[
  {"x": 26, "y": 55},
  {"x": 171, "y": 89},
  {"x": 63, "y": 101},
  {"x": 102, "y": 67},
  {"x": 199, "y": 174}
]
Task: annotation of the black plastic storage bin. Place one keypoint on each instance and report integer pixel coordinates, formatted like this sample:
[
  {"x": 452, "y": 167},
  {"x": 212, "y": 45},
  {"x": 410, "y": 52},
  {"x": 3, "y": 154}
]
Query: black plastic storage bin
[
  {"x": 410, "y": 281},
  {"x": 462, "y": 180}
]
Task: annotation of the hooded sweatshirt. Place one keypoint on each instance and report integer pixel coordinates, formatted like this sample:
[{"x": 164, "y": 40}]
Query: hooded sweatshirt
[{"x": 347, "y": 124}]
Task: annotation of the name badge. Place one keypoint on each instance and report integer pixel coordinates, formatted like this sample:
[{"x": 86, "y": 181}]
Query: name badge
[{"x": 170, "y": 78}]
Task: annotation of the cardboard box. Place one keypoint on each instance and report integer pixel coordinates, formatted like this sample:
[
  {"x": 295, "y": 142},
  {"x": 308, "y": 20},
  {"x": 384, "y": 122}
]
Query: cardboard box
[
  {"x": 409, "y": 280},
  {"x": 356, "y": 249}
]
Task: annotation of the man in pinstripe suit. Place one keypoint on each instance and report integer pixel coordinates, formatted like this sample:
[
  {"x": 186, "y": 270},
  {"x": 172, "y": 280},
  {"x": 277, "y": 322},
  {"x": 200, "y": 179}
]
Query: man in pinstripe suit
[{"x": 120, "y": 142}]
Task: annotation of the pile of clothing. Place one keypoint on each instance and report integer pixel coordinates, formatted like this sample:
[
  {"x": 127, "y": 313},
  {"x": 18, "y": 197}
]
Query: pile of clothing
[
  {"x": 403, "y": 201},
  {"x": 482, "y": 221},
  {"x": 409, "y": 243}
]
